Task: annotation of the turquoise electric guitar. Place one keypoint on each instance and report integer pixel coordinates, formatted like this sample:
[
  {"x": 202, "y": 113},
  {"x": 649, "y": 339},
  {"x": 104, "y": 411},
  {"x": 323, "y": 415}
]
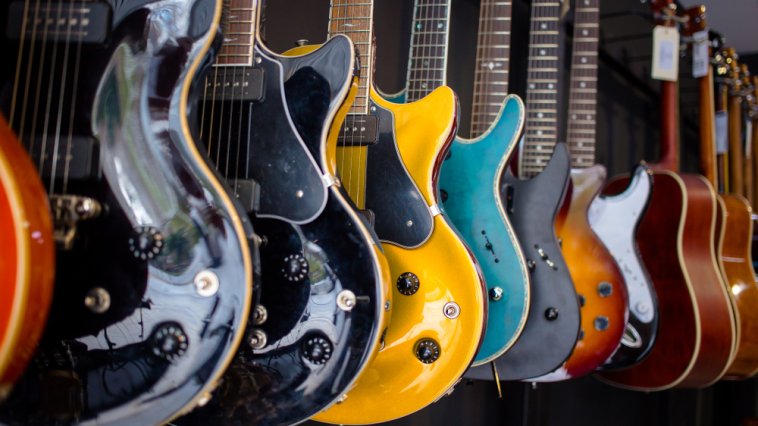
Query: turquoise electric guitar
[{"x": 470, "y": 175}]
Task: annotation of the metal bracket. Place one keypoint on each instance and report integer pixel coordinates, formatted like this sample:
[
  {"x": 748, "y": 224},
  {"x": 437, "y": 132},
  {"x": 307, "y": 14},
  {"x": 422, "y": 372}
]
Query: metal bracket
[
  {"x": 330, "y": 180},
  {"x": 435, "y": 209}
]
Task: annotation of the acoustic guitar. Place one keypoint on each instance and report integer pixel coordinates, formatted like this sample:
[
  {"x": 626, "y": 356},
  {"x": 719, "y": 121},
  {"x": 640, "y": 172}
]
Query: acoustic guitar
[
  {"x": 735, "y": 247},
  {"x": 388, "y": 159},
  {"x": 154, "y": 270},
  {"x": 497, "y": 120},
  {"x": 264, "y": 119},
  {"x": 532, "y": 201},
  {"x": 696, "y": 328},
  {"x": 597, "y": 279},
  {"x": 27, "y": 259}
]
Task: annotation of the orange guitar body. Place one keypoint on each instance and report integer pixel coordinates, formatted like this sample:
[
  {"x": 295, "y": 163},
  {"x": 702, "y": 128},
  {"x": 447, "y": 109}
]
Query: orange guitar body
[
  {"x": 597, "y": 279},
  {"x": 26, "y": 258}
]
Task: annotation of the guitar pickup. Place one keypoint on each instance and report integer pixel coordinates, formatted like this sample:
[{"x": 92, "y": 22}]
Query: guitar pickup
[
  {"x": 359, "y": 130},
  {"x": 68, "y": 212},
  {"x": 248, "y": 193},
  {"x": 82, "y": 156},
  {"x": 67, "y": 21},
  {"x": 234, "y": 84}
]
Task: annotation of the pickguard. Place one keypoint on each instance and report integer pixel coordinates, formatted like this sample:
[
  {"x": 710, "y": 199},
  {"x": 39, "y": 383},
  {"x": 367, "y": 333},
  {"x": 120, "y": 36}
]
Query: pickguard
[{"x": 402, "y": 215}]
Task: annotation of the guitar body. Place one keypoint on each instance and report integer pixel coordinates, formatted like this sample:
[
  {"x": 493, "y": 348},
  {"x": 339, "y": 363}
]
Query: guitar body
[
  {"x": 615, "y": 219},
  {"x": 316, "y": 346},
  {"x": 436, "y": 329},
  {"x": 153, "y": 289},
  {"x": 27, "y": 259},
  {"x": 478, "y": 214},
  {"x": 597, "y": 280},
  {"x": 532, "y": 206},
  {"x": 696, "y": 329},
  {"x": 737, "y": 260}
]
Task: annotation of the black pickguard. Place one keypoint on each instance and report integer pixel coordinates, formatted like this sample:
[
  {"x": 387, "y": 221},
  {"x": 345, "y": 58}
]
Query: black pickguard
[
  {"x": 93, "y": 366},
  {"x": 402, "y": 216},
  {"x": 305, "y": 267},
  {"x": 532, "y": 211}
]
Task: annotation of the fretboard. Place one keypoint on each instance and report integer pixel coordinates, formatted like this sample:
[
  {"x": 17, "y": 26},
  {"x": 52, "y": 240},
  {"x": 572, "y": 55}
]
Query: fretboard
[
  {"x": 238, "y": 23},
  {"x": 493, "y": 52},
  {"x": 541, "y": 129},
  {"x": 582, "y": 108},
  {"x": 354, "y": 18},
  {"x": 427, "y": 59}
]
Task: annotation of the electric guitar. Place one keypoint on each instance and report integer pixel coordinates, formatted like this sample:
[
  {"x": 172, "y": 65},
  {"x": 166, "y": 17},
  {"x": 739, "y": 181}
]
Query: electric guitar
[
  {"x": 531, "y": 202},
  {"x": 264, "y": 119},
  {"x": 470, "y": 162},
  {"x": 153, "y": 278},
  {"x": 597, "y": 279},
  {"x": 388, "y": 159},
  {"x": 696, "y": 329},
  {"x": 735, "y": 247},
  {"x": 27, "y": 258}
]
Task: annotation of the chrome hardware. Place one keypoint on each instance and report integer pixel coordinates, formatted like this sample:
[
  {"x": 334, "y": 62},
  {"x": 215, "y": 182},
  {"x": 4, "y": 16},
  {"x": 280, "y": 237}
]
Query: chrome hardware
[
  {"x": 299, "y": 193},
  {"x": 551, "y": 314},
  {"x": 531, "y": 264},
  {"x": 295, "y": 267},
  {"x": 541, "y": 252},
  {"x": 427, "y": 351},
  {"x": 496, "y": 293},
  {"x": 631, "y": 337},
  {"x": 257, "y": 339},
  {"x": 341, "y": 399},
  {"x": 551, "y": 264},
  {"x": 260, "y": 314},
  {"x": 204, "y": 399},
  {"x": 451, "y": 310},
  {"x": 408, "y": 283},
  {"x": 147, "y": 244},
  {"x": 601, "y": 323},
  {"x": 605, "y": 289},
  {"x": 68, "y": 211},
  {"x": 301, "y": 42},
  {"x": 642, "y": 308},
  {"x": 330, "y": 180},
  {"x": 98, "y": 300},
  {"x": 409, "y": 223},
  {"x": 387, "y": 305},
  {"x": 346, "y": 300},
  {"x": 435, "y": 209},
  {"x": 206, "y": 283},
  {"x": 317, "y": 350},
  {"x": 169, "y": 341}
]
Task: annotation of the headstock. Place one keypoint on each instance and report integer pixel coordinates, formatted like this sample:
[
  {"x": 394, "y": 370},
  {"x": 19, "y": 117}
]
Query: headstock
[
  {"x": 664, "y": 11},
  {"x": 733, "y": 67},
  {"x": 696, "y": 21}
]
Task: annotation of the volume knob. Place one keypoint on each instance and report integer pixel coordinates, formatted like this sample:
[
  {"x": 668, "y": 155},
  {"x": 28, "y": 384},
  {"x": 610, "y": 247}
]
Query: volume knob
[
  {"x": 295, "y": 267},
  {"x": 427, "y": 351},
  {"x": 169, "y": 341},
  {"x": 317, "y": 350}
]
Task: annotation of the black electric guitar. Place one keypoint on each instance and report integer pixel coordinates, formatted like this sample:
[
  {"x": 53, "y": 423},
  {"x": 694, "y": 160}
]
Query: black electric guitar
[
  {"x": 154, "y": 268},
  {"x": 532, "y": 204},
  {"x": 264, "y": 119}
]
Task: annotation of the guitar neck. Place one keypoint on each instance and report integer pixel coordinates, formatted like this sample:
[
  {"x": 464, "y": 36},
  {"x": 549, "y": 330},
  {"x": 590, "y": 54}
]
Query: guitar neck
[
  {"x": 493, "y": 52},
  {"x": 541, "y": 129},
  {"x": 582, "y": 109},
  {"x": 708, "y": 128},
  {"x": 239, "y": 20},
  {"x": 355, "y": 19},
  {"x": 427, "y": 59}
]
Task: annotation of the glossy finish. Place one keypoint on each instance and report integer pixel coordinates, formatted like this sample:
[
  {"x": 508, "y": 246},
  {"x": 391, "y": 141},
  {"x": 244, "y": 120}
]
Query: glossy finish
[
  {"x": 404, "y": 384},
  {"x": 696, "y": 329},
  {"x": 469, "y": 182},
  {"x": 27, "y": 258},
  {"x": 615, "y": 220},
  {"x": 315, "y": 348},
  {"x": 164, "y": 334},
  {"x": 738, "y": 266},
  {"x": 532, "y": 206},
  {"x": 597, "y": 280}
]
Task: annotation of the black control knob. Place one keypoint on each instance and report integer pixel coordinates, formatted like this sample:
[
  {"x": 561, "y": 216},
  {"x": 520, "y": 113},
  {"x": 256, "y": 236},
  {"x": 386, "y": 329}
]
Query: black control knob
[
  {"x": 408, "y": 283},
  {"x": 601, "y": 323},
  {"x": 146, "y": 243},
  {"x": 551, "y": 314},
  {"x": 317, "y": 349},
  {"x": 427, "y": 351},
  {"x": 605, "y": 289},
  {"x": 169, "y": 341},
  {"x": 295, "y": 267}
]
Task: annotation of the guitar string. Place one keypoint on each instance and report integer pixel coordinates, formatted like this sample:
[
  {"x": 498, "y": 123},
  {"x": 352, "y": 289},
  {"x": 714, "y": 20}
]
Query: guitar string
[
  {"x": 61, "y": 97},
  {"x": 363, "y": 153},
  {"x": 74, "y": 93},
  {"x": 231, "y": 67},
  {"x": 254, "y": 26},
  {"x": 19, "y": 57},
  {"x": 49, "y": 101},
  {"x": 38, "y": 89},
  {"x": 27, "y": 81},
  {"x": 222, "y": 103},
  {"x": 351, "y": 11}
]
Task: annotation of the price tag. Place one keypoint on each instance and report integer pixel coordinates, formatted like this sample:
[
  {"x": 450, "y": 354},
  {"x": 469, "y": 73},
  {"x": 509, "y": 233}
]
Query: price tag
[
  {"x": 700, "y": 60},
  {"x": 665, "y": 53},
  {"x": 722, "y": 137},
  {"x": 748, "y": 137}
]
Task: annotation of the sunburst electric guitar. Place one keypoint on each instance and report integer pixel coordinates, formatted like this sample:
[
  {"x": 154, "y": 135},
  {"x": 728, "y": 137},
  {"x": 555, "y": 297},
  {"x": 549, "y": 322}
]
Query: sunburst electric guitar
[
  {"x": 264, "y": 119},
  {"x": 388, "y": 159},
  {"x": 27, "y": 258},
  {"x": 154, "y": 269},
  {"x": 471, "y": 204}
]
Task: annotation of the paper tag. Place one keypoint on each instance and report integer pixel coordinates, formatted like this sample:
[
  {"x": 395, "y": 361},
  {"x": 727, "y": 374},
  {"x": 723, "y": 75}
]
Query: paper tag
[
  {"x": 748, "y": 137},
  {"x": 722, "y": 137},
  {"x": 700, "y": 59},
  {"x": 665, "y": 53}
]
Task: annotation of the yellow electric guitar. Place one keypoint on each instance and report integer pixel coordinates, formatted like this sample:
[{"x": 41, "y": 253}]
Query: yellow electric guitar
[{"x": 388, "y": 159}]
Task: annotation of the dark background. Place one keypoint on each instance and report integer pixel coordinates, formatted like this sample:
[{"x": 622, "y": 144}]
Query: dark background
[{"x": 627, "y": 133}]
